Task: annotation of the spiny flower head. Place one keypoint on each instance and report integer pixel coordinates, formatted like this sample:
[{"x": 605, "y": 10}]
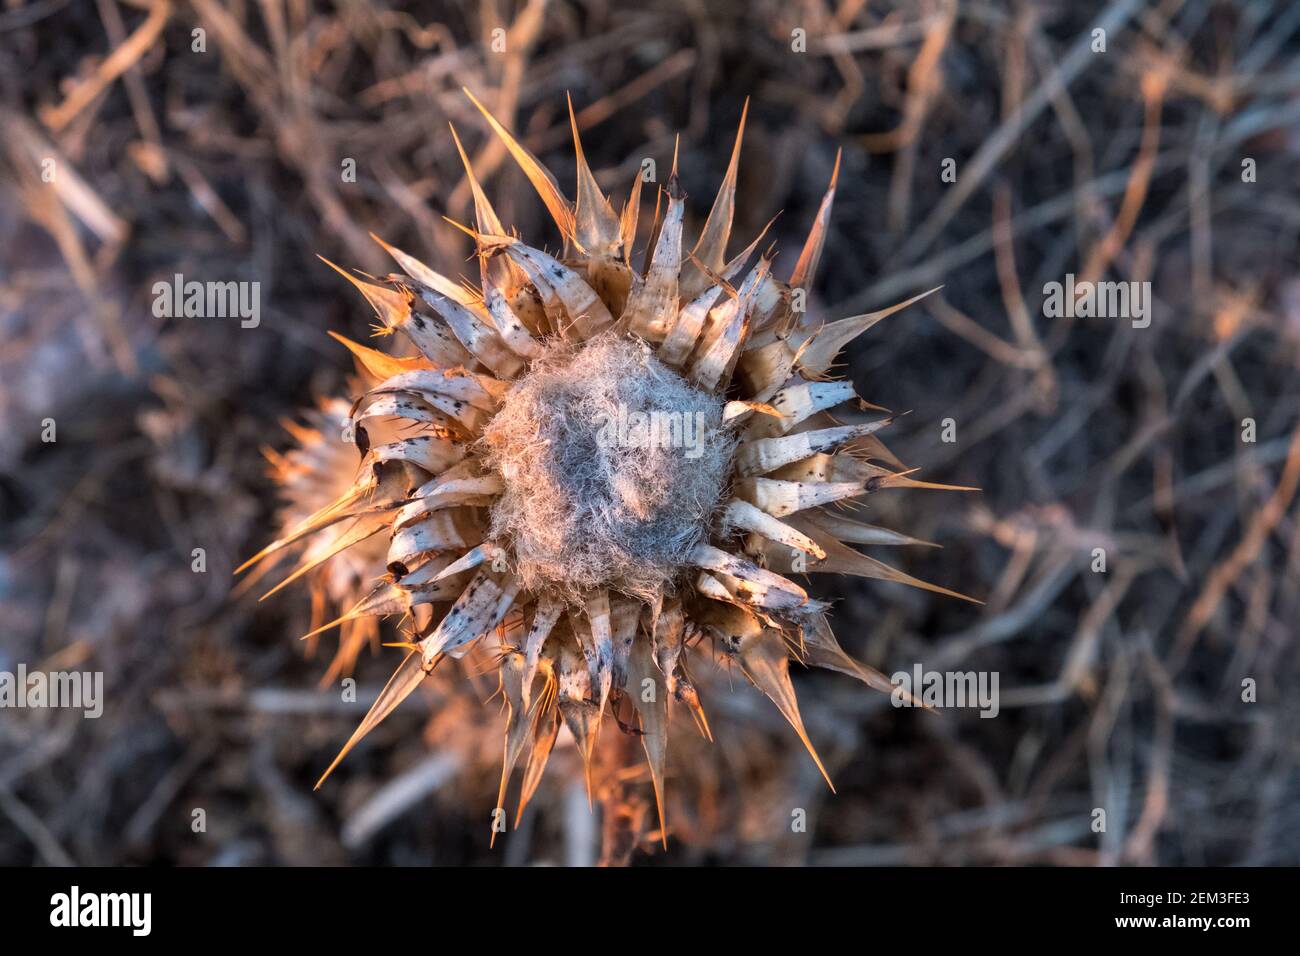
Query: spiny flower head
[
  {"x": 600, "y": 473},
  {"x": 311, "y": 475}
]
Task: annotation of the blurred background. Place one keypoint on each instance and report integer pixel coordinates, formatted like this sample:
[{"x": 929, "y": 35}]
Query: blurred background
[{"x": 988, "y": 147}]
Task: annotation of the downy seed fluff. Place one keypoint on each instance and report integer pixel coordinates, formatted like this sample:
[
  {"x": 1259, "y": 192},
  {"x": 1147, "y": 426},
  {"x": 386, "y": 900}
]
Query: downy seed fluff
[{"x": 613, "y": 465}]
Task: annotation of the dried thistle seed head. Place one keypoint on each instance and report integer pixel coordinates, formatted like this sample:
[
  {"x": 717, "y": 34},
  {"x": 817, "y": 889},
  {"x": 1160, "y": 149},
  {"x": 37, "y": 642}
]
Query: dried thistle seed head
[
  {"x": 311, "y": 475},
  {"x": 613, "y": 467},
  {"x": 589, "y": 570}
]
